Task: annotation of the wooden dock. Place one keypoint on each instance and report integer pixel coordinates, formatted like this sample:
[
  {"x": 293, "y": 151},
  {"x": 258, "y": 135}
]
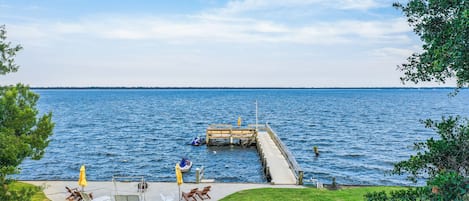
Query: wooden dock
[
  {"x": 279, "y": 165},
  {"x": 235, "y": 135}
]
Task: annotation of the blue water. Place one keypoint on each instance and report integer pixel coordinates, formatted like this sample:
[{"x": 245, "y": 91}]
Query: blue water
[{"x": 360, "y": 132}]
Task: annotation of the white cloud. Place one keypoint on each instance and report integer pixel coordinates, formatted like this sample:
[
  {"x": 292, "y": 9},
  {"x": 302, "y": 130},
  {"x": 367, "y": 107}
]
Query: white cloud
[
  {"x": 391, "y": 52},
  {"x": 385, "y": 30},
  {"x": 358, "y": 4},
  {"x": 69, "y": 28},
  {"x": 193, "y": 29},
  {"x": 146, "y": 49},
  {"x": 235, "y": 27},
  {"x": 236, "y": 7}
]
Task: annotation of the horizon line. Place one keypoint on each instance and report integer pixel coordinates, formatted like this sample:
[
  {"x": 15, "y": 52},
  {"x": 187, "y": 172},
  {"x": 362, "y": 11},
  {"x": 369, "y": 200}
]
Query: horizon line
[{"x": 189, "y": 87}]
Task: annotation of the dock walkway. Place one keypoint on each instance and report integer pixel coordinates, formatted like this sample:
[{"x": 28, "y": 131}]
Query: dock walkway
[
  {"x": 279, "y": 165},
  {"x": 276, "y": 163}
]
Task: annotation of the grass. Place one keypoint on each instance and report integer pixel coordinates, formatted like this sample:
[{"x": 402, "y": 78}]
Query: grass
[
  {"x": 38, "y": 196},
  {"x": 313, "y": 194}
]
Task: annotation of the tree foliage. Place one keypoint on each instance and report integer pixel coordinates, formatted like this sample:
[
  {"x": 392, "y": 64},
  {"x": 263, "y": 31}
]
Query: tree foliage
[
  {"x": 22, "y": 133},
  {"x": 8, "y": 53},
  {"x": 443, "y": 27},
  {"x": 448, "y": 153},
  {"x": 445, "y": 186},
  {"x": 449, "y": 185},
  {"x": 444, "y": 161}
]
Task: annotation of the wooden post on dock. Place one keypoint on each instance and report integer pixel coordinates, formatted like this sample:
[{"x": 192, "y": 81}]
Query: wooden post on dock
[
  {"x": 199, "y": 174},
  {"x": 256, "y": 116},
  {"x": 300, "y": 177}
]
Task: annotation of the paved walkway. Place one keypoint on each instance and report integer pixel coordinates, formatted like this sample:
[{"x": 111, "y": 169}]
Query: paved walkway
[
  {"x": 280, "y": 171},
  {"x": 157, "y": 191}
]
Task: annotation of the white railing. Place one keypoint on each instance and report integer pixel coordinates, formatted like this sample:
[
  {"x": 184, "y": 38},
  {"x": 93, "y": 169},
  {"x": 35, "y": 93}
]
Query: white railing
[
  {"x": 140, "y": 180},
  {"x": 199, "y": 174},
  {"x": 287, "y": 154}
]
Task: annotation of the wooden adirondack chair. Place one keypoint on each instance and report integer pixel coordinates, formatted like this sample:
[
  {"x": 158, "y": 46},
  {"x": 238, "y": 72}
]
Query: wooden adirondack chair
[
  {"x": 191, "y": 194},
  {"x": 74, "y": 193},
  {"x": 203, "y": 194}
]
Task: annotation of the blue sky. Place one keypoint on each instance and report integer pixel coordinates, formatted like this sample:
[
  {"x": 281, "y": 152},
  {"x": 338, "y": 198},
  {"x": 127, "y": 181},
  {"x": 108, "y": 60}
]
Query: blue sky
[{"x": 206, "y": 43}]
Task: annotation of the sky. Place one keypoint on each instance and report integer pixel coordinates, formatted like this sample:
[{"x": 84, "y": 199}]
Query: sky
[{"x": 208, "y": 43}]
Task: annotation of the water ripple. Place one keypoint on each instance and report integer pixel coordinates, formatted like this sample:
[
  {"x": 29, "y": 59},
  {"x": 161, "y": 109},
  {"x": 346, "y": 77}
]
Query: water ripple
[{"x": 360, "y": 133}]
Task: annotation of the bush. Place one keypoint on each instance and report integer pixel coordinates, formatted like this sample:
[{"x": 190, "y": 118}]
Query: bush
[
  {"x": 376, "y": 196},
  {"x": 10, "y": 192},
  {"x": 450, "y": 185},
  {"x": 411, "y": 194}
]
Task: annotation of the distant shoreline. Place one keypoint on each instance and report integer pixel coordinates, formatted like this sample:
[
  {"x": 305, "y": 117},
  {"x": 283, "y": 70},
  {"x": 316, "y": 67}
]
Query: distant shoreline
[{"x": 279, "y": 88}]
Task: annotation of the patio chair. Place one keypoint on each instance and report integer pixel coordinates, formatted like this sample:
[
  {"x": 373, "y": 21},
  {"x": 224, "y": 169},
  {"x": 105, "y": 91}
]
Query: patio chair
[
  {"x": 126, "y": 198},
  {"x": 74, "y": 193},
  {"x": 203, "y": 194},
  {"x": 85, "y": 196},
  {"x": 191, "y": 194},
  {"x": 142, "y": 187},
  {"x": 120, "y": 198}
]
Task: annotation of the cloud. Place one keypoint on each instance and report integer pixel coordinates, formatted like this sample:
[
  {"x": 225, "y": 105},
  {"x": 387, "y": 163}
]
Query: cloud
[
  {"x": 206, "y": 28},
  {"x": 236, "y": 7},
  {"x": 229, "y": 24},
  {"x": 391, "y": 52},
  {"x": 213, "y": 47},
  {"x": 358, "y": 4},
  {"x": 69, "y": 28}
]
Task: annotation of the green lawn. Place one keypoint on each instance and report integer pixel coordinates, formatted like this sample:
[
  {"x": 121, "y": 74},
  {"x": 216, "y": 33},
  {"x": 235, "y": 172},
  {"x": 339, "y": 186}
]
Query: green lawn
[
  {"x": 39, "y": 196},
  {"x": 348, "y": 194}
]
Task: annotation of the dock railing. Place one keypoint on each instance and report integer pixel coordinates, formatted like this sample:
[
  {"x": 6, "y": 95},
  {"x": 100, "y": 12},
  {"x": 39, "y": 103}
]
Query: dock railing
[
  {"x": 286, "y": 153},
  {"x": 125, "y": 193},
  {"x": 199, "y": 174},
  {"x": 220, "y": 126},
  {"x": 258, "y": 126}
]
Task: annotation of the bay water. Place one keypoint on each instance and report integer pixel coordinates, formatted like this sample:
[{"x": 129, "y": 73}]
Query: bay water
[{"x": 360, "y": 133}]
